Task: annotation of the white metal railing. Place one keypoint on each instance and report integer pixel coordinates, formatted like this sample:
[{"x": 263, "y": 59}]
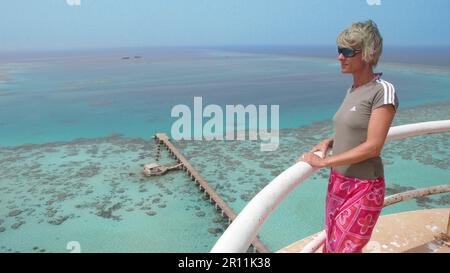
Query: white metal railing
[{"x": 239, "y": 235}]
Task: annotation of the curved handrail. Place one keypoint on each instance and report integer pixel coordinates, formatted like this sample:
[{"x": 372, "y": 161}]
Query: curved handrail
[
  {"x": 407, "y": 195},
  {"x": 320, "y": 237},
  {"x": 239, "y": 235}
]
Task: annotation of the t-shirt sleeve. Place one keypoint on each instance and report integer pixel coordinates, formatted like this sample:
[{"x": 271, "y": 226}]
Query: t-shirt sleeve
[{"x": 385, "y": 95}]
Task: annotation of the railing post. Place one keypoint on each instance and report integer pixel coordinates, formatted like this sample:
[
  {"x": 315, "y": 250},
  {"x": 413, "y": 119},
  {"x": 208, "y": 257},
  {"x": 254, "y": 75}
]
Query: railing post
[{"x": 448, "y": 226}]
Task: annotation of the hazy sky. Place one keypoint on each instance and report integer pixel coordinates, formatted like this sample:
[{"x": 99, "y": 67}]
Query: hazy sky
[{"x": 60, "y": 24}]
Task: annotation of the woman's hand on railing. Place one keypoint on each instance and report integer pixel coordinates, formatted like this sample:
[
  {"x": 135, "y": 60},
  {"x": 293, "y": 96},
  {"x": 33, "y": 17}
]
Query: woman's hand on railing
[
  {"x": 323, "y": 147},
  {"x": 314, "y": 159}
]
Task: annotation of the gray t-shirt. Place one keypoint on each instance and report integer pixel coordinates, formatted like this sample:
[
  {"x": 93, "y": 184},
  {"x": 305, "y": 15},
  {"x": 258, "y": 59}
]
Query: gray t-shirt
[{"x": 351, "y": 124}]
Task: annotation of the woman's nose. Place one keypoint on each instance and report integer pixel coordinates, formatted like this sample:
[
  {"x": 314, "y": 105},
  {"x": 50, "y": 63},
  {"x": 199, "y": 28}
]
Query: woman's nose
[{"x": 341, "y": 57}]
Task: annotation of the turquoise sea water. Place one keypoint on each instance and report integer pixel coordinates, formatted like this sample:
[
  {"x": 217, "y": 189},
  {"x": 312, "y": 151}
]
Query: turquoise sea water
[{"x": 75, "y": 132}]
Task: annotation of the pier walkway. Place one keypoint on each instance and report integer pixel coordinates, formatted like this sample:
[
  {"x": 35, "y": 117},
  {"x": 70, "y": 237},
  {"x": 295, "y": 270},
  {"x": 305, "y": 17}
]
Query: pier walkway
[{"x": 162, "y": 138}]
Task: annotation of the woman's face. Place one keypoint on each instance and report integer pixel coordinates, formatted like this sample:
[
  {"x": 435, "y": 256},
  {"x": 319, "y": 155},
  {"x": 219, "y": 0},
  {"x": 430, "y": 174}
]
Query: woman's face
[{"x": 352, "y": 64}]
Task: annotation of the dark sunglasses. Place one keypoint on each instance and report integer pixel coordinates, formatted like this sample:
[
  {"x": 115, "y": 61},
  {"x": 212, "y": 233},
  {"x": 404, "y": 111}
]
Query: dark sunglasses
[{"x": 348, "y": 52}]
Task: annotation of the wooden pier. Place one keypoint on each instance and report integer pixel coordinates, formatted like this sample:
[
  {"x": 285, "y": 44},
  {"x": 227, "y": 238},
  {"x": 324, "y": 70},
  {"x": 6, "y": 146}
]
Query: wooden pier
[{"x": 162, "y": 138}]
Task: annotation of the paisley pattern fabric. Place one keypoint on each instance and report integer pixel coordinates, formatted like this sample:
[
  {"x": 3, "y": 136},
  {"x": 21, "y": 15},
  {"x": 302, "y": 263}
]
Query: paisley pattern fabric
[{"x": 351, "y": 212}]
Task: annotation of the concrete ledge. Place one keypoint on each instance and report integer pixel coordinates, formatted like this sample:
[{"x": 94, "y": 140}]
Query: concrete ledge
[{"x": 412, "y": 232}]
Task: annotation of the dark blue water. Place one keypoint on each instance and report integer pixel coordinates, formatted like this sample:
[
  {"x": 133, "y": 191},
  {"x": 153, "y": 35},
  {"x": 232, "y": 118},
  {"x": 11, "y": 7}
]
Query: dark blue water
[{"x": 62, "y": 96}]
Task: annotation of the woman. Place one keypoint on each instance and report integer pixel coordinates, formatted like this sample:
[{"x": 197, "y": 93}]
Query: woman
[{"x": 356, "y": 185}]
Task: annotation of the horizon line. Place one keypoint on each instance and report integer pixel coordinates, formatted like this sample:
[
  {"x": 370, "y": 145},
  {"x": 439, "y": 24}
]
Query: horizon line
[{"x": 112, "y": 48}]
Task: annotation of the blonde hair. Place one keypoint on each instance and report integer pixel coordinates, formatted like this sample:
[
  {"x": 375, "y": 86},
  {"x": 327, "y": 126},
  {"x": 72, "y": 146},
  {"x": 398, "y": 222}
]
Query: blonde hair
[{"x": 364, "y": 36}]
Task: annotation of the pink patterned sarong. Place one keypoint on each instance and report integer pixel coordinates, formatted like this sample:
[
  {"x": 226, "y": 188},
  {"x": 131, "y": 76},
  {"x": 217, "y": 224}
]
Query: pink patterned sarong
[{"x": 352, "y": 209}]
